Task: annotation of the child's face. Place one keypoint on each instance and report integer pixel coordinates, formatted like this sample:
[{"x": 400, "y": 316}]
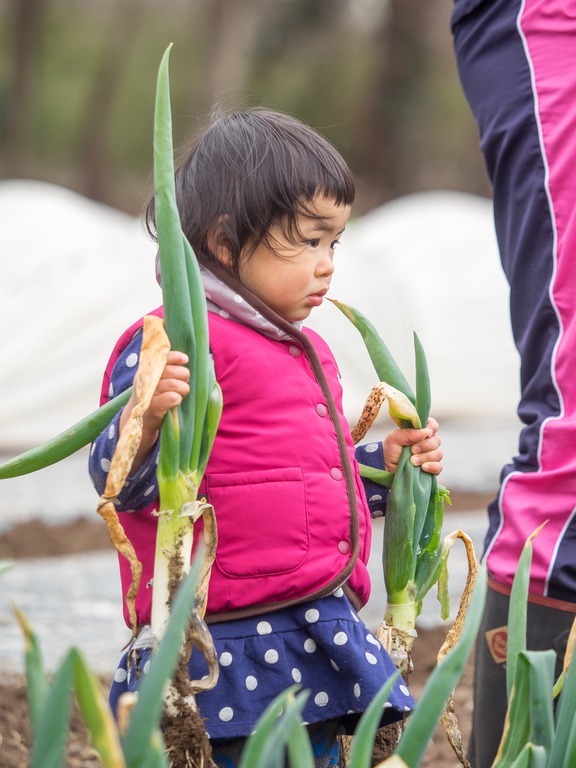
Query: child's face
[{"x": 293, "y": 278}]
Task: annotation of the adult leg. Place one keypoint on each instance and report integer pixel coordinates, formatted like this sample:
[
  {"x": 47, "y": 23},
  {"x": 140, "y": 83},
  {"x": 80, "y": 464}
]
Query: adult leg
[{"x": 517, "y": 64}]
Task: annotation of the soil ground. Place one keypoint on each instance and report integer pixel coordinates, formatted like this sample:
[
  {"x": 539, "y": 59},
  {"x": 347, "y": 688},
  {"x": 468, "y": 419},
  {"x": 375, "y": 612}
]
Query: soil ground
[{"x": 36, "y": 539}]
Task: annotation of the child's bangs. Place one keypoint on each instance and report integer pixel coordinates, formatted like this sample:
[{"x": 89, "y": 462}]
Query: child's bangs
[
  {"x": 322, "y": 173},
  {"x": 306, "y": 176}
]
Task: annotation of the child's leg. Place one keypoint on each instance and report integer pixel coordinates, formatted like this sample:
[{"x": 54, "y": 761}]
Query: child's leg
[
  {"x": 323, "y": 738},
  {"x": 226, "y": 752}
]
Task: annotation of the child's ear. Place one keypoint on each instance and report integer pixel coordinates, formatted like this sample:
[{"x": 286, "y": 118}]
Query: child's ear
[{"x": 219, "y": 242}]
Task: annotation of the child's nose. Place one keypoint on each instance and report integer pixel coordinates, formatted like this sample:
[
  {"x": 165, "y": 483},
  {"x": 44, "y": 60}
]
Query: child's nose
[{"x": 326, "y": 264}]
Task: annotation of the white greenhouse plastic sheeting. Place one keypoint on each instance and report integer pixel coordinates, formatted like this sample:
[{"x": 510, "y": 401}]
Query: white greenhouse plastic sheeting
[
  {"x": 428, "y": 263},
  {"x": 74, "y": 274}
]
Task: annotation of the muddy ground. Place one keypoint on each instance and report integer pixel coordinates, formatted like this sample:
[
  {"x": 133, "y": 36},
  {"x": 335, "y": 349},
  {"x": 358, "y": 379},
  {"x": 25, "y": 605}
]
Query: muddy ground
[{"x": 35, "y": 539}]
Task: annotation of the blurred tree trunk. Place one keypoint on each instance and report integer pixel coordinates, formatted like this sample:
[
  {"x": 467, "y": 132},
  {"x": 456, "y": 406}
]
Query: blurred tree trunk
[
  {"x": 94, "y": 124},
  {"x": 387, "y": 159},
  {"x": 25, "y": 18},
  {"x": 230, "y": 31}
]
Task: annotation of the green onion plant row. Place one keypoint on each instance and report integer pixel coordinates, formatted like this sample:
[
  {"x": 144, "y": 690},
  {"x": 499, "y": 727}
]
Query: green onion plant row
[{"x": 534, "y": 736}]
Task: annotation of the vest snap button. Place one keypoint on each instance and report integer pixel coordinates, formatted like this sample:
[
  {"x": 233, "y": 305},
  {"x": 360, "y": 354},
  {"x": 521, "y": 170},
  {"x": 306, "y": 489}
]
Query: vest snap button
[
  {"x": 321, "y": 409},
  {"x": 343, "y": 547},
  {"x": 336, "y": 473},
  {"x": 294, "y": 350}
]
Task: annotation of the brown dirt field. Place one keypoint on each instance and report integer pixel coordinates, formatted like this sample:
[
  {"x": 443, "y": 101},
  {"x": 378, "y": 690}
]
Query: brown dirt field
[{"x": 36, "y": 539}]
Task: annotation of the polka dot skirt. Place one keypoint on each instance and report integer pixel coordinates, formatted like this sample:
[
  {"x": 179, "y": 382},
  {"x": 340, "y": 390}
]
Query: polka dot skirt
[{"x": 322, "y": 645}]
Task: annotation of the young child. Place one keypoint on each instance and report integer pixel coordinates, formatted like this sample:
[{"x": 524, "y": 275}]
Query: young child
[{"x": 263, "y": 201}]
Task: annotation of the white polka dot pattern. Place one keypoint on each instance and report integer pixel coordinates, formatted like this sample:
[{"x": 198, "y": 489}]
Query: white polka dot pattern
[{"x": 120, "y": 675}]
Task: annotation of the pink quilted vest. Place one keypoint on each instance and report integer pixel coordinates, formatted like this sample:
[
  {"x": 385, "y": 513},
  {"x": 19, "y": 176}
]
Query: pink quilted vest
[{"x": 293, "y": 522}]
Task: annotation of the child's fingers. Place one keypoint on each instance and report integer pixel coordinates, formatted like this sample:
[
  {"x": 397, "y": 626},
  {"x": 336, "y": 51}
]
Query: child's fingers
[
  {"x": 432, "y": 467},
  {"x": 175, "y": 373},
  {"x": 424, "y": 440},
  {"x": 162, "y": 401},
  {"x": 433, "y": 425},
  {"x": 176, "y": 358},
  {"x": 426, "y": 450},
  {"x": 426, "y": 444},
  {"x": 421, "y": 440},
  {"x": 180, "y": 386},
  {"x": 169, "y": 393},
  {"x": 430, "y": 457},
  {"x": 171, "y": 389}
]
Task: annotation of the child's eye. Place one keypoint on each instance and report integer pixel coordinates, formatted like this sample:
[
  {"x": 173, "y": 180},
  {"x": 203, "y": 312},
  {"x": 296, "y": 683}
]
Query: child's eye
[
  {"x": 313, "y": 243},
  {"x": 334, "y": 244}
]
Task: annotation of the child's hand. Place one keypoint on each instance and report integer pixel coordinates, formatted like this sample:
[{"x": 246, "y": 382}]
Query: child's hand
[
  {"x": 425, "y": 447},
  {"x": 172, "y": 387}
]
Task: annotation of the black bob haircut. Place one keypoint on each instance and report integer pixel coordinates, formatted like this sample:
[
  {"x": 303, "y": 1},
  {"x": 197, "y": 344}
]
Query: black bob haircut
[{"x": 250, "y": 170}]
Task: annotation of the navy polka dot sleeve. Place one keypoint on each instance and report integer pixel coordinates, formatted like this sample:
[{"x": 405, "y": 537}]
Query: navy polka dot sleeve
[
  {"x": 372, "y": 455},
  {"x": 141, "y": 488}
]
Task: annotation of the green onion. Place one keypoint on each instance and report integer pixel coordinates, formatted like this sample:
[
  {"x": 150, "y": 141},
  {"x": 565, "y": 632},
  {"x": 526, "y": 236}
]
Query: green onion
[
  {"x": 186, "y": 436},
  {"x": 413, "y": 556},
  {"x": 67, "y": 442},
  {"x": 188, "y": 431}
]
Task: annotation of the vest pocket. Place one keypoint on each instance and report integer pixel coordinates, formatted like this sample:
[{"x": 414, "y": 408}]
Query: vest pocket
[{"x": 262, "y": 521}]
